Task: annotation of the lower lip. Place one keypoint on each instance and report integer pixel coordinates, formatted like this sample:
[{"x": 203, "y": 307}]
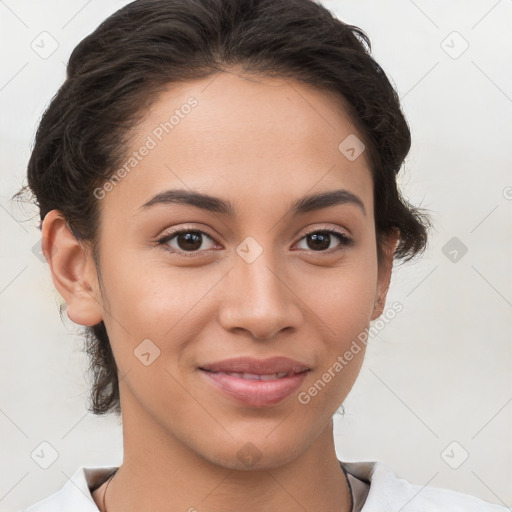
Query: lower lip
[{"x": 255, "y": 393}]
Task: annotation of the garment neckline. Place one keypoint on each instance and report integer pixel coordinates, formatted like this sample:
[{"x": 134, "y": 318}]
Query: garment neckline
[{"x": 348, "y": 476}]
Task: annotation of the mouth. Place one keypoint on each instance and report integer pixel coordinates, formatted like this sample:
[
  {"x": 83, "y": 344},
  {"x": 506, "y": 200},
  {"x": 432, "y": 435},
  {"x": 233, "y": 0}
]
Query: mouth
[
  {"x": 256, "y": 383},
  {"x": 256, "y": 376},
  {"x": 279, "y": 366}
]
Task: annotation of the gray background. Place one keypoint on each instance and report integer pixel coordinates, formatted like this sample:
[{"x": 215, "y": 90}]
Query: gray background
[{"x": 435, "y": 387}]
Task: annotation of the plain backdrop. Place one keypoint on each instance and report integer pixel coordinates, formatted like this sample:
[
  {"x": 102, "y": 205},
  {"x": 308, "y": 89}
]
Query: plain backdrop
[{"x": 434, "y": 397}]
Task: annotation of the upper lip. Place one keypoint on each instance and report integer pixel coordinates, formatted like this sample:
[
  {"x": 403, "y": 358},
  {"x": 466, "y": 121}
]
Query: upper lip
[{"x": 257, "y": 366}]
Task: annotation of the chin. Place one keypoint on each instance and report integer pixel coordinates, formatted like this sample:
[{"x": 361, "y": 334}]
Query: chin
[{"x": 257, "y": 453}]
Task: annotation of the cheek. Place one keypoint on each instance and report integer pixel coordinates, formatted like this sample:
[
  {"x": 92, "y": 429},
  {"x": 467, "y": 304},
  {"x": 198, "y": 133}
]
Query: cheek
[
  {"x": 342, "y": 308},
  {"x": 342, "y": 298},
  {"x": 345, "y": 309},
  {"x": 156, "y": 302},
  {"x": 342, "y": 303}
]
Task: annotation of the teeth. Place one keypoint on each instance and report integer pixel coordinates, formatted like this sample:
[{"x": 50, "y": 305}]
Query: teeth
[
  {"x": 269, "y": 377},
  {"x": 250, "y": 376},
  {"x": 254, "y": 376}
]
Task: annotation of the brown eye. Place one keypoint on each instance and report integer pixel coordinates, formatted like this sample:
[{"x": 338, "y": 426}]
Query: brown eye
[
  {"x": 320, "y": 241},
  {"x": 187, "y": 241}
]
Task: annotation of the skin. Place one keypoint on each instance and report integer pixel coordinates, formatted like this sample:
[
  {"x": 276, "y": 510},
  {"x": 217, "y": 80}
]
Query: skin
[{"x": 260, "y": 143}]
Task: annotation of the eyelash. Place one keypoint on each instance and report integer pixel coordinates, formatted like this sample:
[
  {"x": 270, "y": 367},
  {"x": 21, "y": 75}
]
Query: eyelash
[{"x": 345, "y": 241}]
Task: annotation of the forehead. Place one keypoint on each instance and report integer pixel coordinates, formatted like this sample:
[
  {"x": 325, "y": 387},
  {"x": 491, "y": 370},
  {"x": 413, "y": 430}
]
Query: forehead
[{"x": 248, "y": 136}]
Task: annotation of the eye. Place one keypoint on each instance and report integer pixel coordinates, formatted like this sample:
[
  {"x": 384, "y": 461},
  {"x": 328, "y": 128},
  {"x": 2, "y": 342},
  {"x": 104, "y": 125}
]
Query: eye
[
  {"x": 320, "y": 240},
  {"x": 186, "y": 241},
  {"x": 189, "y": 242}
]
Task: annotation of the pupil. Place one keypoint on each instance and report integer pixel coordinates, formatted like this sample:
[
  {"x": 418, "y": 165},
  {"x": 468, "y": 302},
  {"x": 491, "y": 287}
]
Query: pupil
[
  {"x": 190, "y": 241},
  {"x": 322, "y": 241}
]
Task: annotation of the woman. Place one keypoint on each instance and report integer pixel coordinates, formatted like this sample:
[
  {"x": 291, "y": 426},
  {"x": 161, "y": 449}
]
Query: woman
[{"x": 217, "y": 186}]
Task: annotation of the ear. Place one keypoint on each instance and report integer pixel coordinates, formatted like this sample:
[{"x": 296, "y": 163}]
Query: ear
[
  {"x": 384, "y": 273},
  {"x": 73, "y": 270}
]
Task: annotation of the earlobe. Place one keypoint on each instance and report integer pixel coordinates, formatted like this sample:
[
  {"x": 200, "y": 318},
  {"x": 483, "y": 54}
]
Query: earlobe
[
  {"x": 378, "y": 307},
  {"x": 385, "y": 269},
  {"x": 73, "y": 270}
]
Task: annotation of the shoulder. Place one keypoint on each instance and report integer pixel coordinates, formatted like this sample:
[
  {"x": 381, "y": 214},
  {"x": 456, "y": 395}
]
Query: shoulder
[
  {"x": 76, "y": 494},
  {"x": 388, "y": 492}
]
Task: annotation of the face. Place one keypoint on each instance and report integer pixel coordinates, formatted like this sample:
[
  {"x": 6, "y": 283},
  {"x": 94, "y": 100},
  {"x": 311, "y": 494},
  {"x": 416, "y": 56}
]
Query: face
[{"x": 230, "y": 316}]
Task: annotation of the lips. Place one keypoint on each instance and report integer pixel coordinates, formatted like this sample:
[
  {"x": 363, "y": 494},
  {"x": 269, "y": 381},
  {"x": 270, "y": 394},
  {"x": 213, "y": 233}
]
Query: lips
[
  {"x": 254, "y": 382},
  {"x": 255, "y": 366},
  {"x": 256, "y": 376}
]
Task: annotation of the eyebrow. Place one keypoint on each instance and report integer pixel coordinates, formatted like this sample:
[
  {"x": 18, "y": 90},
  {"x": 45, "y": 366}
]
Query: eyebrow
[{"x": 306, "y": 204}]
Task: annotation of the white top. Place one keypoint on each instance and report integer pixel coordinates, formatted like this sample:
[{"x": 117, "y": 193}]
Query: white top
[{"x": 374, "y": 486}]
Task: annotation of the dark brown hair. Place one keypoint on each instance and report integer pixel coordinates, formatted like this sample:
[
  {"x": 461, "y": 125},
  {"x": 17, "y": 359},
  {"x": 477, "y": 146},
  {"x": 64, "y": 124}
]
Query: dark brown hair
[{"x": 117, "y": 72}]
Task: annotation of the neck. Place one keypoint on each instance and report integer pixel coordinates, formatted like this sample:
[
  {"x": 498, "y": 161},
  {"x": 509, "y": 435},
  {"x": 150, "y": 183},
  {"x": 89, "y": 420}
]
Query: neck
[{"x": 159, "y": 473}]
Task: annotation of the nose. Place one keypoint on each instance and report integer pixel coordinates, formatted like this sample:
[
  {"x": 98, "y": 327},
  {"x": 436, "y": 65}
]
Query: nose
[{"x": 259, "y": 299}]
